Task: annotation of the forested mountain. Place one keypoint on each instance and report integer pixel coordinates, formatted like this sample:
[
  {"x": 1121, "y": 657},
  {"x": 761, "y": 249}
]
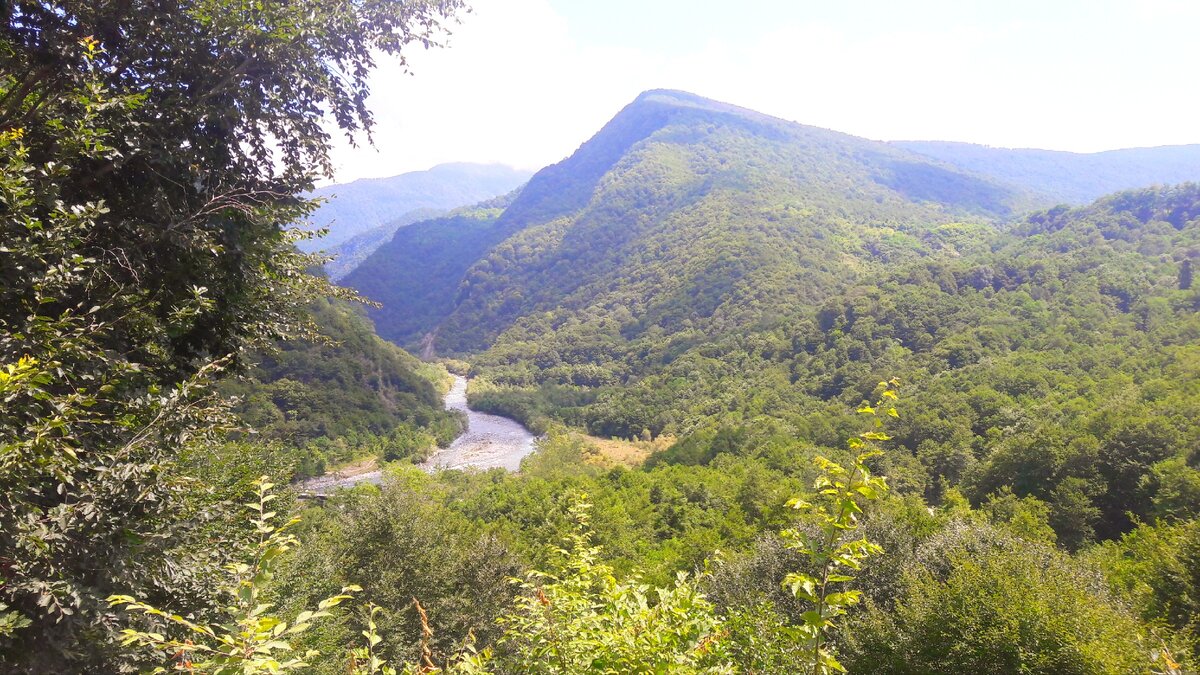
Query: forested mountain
[
  {"x": 700, "y": 270},
  {"x": 351, "y": 252},
  {"x": 1069, "y": 177},
  {"x": 895, "y": 417},
  {"x": 1054, "y": 359},
  {"x": 369, "y": 203},
  {"x": 681, "y": 216},
  {"x": 426, "y": 262}
]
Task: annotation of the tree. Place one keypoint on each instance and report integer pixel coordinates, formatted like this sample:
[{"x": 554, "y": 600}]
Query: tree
[
  {"x": 219, "y": 132},
  {"x": 583, "y": 620},
  {"x": 831, "y": 551},
  {"x": 152, "y": 155},
  {"x": 999, "y": 605},
  {"x": 1072, "y": 513}
]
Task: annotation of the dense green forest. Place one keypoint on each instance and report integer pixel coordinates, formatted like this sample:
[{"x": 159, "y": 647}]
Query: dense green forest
[
  {"x": 714, "y": 214},
  {"x": 345, "y": 395},
  {"x": 906, "y": 417}
]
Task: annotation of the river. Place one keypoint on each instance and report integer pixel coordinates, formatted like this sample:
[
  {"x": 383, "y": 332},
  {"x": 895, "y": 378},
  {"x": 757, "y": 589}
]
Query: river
[{"x": 490, "y": 441}]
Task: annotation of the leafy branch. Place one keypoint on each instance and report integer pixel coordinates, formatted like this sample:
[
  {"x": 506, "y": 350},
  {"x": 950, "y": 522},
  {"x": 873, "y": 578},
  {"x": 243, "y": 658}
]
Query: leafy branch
[
  {"x": 832, "y": 551},
  {"x": 253, "y": 640}
]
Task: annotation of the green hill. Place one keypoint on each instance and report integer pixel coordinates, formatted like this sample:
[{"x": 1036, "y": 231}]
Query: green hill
[{"x": 682, "y": 214}]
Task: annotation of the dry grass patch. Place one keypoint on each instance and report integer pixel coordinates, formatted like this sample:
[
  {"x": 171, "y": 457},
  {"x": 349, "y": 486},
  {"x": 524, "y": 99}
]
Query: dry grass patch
[{"x": 623, "y": 452}]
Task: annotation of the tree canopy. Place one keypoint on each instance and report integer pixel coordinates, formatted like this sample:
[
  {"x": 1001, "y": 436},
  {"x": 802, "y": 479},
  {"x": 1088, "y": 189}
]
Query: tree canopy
[{"x": 152, "y": 155}]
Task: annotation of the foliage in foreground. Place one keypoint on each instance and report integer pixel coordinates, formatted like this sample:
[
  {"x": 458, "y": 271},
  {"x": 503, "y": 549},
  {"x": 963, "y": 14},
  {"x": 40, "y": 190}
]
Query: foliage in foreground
[
  {"x": 152, "y": 155},
  {"x": 251, "y": 640},
  {"x": 578, "y": 619},
  {"x": 831, "y": 552},
  {"x": 89, "y": 431},
  {"x": 987, "y": 602},
  {"x": 583, "y": 620}
]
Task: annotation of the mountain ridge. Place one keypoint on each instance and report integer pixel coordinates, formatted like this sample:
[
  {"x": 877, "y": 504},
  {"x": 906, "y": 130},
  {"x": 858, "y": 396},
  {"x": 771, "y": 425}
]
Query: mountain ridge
[
  {"x": 368, "y": 203},
  {"x": 1076, "y": 178},
  {"x": 647, "y": 178}
]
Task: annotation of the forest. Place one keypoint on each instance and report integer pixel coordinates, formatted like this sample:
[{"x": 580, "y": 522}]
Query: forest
[{"x": 806, "y": 403}]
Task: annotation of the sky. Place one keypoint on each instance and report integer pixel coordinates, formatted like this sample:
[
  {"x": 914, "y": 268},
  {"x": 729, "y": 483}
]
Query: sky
[{"x": 525, "y": 82}]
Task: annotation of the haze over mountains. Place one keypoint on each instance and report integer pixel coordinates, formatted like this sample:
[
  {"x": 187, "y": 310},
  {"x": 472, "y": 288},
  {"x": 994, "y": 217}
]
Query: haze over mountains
[
  {"x": 371, "y": 203},
  {"x": 1069, "y": 177}
]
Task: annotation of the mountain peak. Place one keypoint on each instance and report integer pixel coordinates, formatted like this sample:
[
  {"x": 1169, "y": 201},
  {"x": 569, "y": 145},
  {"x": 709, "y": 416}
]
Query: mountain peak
[
  {"x": 568, "y": 185},
  {"x": 684, "y": 99},
  {"x": 675, "y": 96}
]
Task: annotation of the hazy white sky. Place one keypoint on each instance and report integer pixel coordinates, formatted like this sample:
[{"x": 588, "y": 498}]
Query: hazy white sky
[{"x": 525, "y": 82}]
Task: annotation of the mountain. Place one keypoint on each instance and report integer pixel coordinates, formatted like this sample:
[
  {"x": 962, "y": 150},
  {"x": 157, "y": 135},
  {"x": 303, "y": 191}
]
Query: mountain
[
  {"x": 702, "y": 271},
  {"x": 351, "y": 252},
  {"x": 355, "y": 208},
  {"x": 417, "y": 273},
  {"x": 1066, "y": 176},
  {"x": 682, "y": 216}
]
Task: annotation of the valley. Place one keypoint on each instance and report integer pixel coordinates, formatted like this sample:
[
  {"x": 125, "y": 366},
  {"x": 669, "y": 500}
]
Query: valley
[
  {"x": 488, "y": 441},
  {"x": 711, "y": 392},
  {"x": 698, "y": 304}
]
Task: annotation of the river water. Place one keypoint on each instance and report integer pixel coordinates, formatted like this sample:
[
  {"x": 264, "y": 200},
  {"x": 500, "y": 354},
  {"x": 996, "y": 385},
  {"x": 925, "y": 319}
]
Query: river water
[{"x": 490, "y": 441}]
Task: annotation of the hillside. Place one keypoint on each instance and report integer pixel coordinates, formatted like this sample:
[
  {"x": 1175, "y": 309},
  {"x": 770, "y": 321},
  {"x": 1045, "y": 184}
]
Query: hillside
[
  {"x": 367, "y": 204},
  {"x": 1069, "y": 177},
  {"x": 702, "y": 271},
  {"x": 417, "y": 273},
  {"x": 681, "y": 216},
  {"x": 351, "y": 395},
  {"x": 351, "y": 252}
]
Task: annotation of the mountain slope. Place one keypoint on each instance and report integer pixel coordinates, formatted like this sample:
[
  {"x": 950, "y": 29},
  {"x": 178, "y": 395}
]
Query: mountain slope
[
  {"x": 363, "y": 205},
  {"x": 351, "y": 252},
  {"x": 1066, "y": 176},
  {"x": 687, "y": 214},
  {"x": 350, "y": 395},
  {"x": 417, "y": 273}
]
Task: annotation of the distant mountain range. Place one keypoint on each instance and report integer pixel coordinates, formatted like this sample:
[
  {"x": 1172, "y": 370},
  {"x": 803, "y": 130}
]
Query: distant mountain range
[
  {"x": 350, "y": 253},
  {"x": 1067, "y": 176},
  {"x": 374, "y": 203}
]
